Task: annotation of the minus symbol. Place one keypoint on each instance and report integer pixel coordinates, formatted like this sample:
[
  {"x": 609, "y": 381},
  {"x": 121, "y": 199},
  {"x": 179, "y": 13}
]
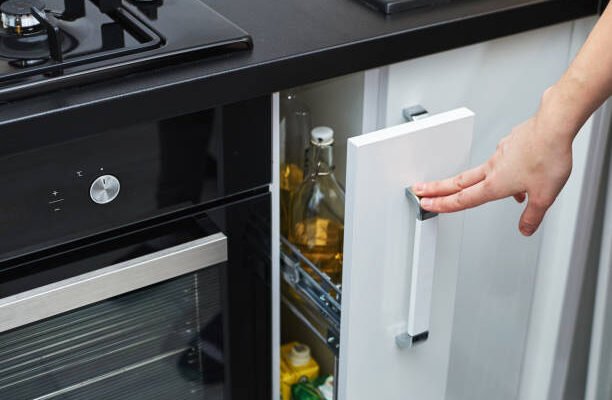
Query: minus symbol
[
  {"x": 56, "y": 201},
  {"x": 57, "y": 209}
]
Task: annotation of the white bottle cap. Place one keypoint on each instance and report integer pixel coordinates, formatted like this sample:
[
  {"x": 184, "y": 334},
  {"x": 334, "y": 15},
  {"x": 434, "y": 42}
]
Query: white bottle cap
[
  {"x": 299, "y": 355},
  {"x": 322, "y": 135},
  {"x": 327, "y": 388}
]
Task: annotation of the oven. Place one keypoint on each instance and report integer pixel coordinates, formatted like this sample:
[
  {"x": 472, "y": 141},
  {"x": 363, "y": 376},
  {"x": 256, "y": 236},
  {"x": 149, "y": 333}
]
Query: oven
[{"x": 135, "y": 261}]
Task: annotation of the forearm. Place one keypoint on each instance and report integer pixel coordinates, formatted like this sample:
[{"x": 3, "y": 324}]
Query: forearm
[{"x": 586, "y": 84}]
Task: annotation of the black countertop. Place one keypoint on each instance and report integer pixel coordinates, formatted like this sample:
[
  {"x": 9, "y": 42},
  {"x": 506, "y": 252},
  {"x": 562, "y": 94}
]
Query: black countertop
[{"x": 295, "y": 42}]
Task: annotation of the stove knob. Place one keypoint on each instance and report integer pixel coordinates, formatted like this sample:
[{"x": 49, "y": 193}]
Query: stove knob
[{"x": 104, "y": 189}]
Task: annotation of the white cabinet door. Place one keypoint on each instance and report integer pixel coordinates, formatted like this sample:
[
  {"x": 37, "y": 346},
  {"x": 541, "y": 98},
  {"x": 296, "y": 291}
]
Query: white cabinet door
[{"x": 379, "y": 251}]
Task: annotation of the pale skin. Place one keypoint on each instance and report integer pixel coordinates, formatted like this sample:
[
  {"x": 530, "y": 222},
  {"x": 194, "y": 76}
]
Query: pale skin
[{"x": 535, "y": 160}]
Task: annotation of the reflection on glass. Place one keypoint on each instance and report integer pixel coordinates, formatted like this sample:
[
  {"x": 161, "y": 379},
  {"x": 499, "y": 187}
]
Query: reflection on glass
[
  {"x": 187, "y": 160},
  {"x": 161, "y": 342}
]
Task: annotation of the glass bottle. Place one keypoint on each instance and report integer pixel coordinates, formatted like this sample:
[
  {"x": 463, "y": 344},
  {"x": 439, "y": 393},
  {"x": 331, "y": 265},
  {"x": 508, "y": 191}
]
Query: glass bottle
[
  {"x": 294, "y": 139},
  {"x": 317, "y": 209}
]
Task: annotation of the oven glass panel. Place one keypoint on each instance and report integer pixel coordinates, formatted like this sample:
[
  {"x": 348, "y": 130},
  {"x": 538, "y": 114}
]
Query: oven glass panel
[
  {"x": 160, "y": 342},
  {"x": 203, "y": 335}
]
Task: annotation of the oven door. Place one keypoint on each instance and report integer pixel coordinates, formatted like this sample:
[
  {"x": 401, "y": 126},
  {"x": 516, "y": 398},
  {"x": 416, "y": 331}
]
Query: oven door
[{"x": 183, "y": 302}]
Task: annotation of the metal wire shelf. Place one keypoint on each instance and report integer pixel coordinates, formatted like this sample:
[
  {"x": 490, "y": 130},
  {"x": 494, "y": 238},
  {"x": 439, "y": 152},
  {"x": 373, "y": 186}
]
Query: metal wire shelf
[{"x": 315, "y": 289}]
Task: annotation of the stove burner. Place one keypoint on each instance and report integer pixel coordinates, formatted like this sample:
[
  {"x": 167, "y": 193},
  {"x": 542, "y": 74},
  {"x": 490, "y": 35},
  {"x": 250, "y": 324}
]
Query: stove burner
[
  {"x": 41, "y": 40},
  {"x": 32, "y": 47},
  {"x": 17, "y": 16}
]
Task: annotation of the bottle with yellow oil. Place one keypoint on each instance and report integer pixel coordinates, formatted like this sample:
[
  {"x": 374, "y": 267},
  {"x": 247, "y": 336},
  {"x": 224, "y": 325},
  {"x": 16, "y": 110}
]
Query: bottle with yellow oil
[
  {"x": 317, "y": 208},
  {"x": 294, "y": 140}
]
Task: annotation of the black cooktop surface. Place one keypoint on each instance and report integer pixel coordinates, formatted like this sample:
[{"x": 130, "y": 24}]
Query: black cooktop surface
[{"x": 47, "y": 44}]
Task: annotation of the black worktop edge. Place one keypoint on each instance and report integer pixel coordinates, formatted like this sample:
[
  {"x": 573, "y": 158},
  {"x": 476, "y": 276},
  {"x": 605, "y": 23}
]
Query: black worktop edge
[{"x": 60, "y": 111}]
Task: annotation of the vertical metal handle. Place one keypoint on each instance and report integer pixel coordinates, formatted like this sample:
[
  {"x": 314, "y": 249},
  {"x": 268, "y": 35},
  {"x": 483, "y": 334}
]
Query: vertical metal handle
[{"x": 421, "y": 281}]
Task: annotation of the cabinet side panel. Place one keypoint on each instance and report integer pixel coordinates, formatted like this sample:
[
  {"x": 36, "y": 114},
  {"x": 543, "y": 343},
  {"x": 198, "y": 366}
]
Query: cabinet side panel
[
  {"x": 501, "y": 81},
  {"x": 275, "y": 189},
  {"x": 561, "y": 267},
  {"x": 599, "y": 385}
]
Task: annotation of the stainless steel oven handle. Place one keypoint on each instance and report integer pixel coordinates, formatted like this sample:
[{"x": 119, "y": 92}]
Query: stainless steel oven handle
[{"x": 105, "y": 283}]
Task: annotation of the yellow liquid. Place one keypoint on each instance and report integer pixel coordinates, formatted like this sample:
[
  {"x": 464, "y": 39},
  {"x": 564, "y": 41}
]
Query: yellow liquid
[
  {"x": 321, "y": 240},
  {"x": 290, "y": 178}
]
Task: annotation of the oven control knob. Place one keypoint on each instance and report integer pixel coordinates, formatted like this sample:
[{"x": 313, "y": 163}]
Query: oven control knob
[{"x": 104, "y": 189}]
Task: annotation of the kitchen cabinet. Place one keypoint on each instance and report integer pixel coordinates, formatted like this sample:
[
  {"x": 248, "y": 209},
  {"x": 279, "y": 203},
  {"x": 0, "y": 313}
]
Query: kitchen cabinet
[
  {"x": 387, "y": 282},
  {"x": 599, "y": 386},
  {"x": 498, "y": 300}
]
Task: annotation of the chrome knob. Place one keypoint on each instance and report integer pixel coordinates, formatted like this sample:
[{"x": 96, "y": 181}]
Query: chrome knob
[{"x": 104, "y": 189}]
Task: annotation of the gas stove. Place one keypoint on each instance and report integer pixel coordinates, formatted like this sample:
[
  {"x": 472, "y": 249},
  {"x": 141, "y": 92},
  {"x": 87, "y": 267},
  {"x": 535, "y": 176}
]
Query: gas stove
[{"x": 48, "y": 44}]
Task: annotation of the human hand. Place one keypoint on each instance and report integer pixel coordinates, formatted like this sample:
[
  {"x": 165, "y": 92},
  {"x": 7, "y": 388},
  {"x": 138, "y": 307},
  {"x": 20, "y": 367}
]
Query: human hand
[{"x": 531, "y": 163}]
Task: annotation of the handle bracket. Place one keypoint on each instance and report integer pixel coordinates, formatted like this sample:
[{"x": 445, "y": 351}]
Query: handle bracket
[
  {"x": 415, "y": 113},
  {"x": 421, "y": 214}
]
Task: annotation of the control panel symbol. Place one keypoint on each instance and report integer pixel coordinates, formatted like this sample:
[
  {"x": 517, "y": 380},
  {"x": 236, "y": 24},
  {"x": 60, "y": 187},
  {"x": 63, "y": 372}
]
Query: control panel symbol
[
  {"x": 55, "y": 201},
  {"x": 104, "y": 189}
]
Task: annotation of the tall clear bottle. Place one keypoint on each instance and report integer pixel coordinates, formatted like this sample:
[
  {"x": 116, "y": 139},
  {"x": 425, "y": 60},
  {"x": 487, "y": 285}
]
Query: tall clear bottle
[
  {"x": 295, "y": 128},
  {"x": 317, "y": 208}
]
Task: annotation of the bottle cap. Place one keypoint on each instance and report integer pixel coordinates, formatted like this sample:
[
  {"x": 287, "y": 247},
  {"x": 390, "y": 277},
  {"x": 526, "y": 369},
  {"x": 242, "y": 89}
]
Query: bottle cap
[
  {"x": 327, "y": 388},
  {"x": 322, "y": 135},
  {"x": 299, "y": 355}
]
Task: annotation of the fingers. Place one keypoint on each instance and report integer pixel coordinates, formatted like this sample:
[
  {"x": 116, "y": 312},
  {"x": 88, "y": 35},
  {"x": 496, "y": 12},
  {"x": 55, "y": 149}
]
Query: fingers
[
  {"x": 472, "y": 196},
  {"x": 532, "y": 217},
  {"x": 452, "y": 185},
  {"x": 520, "y": 197}
]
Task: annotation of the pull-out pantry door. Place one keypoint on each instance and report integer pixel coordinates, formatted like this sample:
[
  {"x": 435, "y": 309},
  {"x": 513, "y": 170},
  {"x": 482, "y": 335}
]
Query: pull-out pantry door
[{"x": 400, "y": 265}]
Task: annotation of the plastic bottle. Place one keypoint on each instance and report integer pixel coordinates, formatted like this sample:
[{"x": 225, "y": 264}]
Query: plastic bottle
[
  {"x": 296, "y": 363},
  {"x": 326, "y": 387},
  {"x": 306, "y": 390}
]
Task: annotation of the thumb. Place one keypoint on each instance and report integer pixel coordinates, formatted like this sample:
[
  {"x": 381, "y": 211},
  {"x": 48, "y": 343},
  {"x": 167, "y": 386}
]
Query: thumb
[{"x": 532, "y": 217}]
